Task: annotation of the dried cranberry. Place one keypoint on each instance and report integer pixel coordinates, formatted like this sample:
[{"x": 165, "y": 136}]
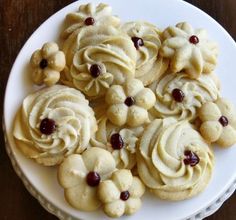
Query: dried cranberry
[
  {"x": 117, "y": 142},
  {"x": 93, "y": 179},
  {"x": 47, "y": 126},
  {"x": 129, "y": 101},
  {"x": 124, "y": 195},
  {"x": 138, "y": 42},
  {"x": 194, "y": 39},
  {"x": 178, "y": 95},
  {"x": 191, "y": 158},
  {"x": 224, "y": 121}
]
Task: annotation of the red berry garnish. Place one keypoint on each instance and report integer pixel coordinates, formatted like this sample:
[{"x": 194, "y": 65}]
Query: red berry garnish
[
  {"x": 138, "y": 42},
  {"x": 89, "y": 21},
  {"x": 224, "y": 121},
  {"x": 93, "y": 179},
  {"x": 129, "y": 101},
  {"x": 124, "y": 195},
  {"x": 191, "y": 158},
  {"x": 95, "y": 70},
  {"x": 47, "y": 126},
  {"x": 117, "y": 142},
  {"x": 43, "y": 64},
  {"x": 178, "y": 95},
  {"x": 194, "y": 39}
]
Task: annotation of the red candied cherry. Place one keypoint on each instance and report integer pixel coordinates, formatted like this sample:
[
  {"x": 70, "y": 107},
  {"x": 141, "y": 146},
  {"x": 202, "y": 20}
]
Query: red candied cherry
[
  {"x": 138, "y": 42},
  {"x": 95, "y": 70},
  {"x": 191, "y": 158},
  {"x": 194, "y": 39},
  {"x": 124, "y": 195},
  {"x": 178, "y": 95},
  {"x": 224, "y": 121},
  {"x": 47, "y": 126},
  {"x": 117, "y": 142},
  {"x": 93, "y": 179},
  {"x": 129, "y": 101},
  {"x": 89, "y": 21}
]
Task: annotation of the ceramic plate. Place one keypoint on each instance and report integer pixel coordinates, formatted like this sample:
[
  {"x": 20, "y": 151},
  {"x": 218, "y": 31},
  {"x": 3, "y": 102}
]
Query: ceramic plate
[{"x": 43, "y": 181}]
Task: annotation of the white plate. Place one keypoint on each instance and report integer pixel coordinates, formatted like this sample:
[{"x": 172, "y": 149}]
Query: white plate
[{"x": 43, "y": 181}]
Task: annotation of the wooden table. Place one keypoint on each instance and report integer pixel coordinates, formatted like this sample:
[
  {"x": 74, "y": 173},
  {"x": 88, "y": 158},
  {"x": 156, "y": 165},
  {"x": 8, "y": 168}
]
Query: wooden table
[{"x": 19, "y": 18}]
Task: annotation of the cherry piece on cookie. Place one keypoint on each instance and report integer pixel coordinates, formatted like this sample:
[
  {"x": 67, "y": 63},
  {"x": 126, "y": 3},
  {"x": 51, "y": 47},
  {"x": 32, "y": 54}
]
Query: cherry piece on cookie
[
  {"x": 223, "y": 121},
  {"x": 89, "y": 21},
  {"x": 194, "y": 39},
  {"x": 178, "y": 95},
  {"x": 129, "y": 101},
  {"x": 124, "y": 195},
  {"x": 138, "y": 42},
  {"x": 47, "y": 126},
  {"x": 117, "y": 142},
  {"x": 43, "y": 64},
  {"x": 191, "y": 158},
  {"x": 93, "y": 179},
  {"x": 95, "y": 70}
]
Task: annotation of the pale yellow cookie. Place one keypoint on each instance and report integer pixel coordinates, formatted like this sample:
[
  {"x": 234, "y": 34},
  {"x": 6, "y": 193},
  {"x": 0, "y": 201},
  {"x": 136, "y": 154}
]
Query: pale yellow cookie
[
  {"x": 80, "y": 176},
  {"x": 173, "y": 160},
  {"x": 129, "y": 103},
  {"x": 218, "y": 122},
  {"x": 189, "y": 50},
  {"x": 146, "y": 39},
  {"x": 95, "y": 68},
  {"x": 179, "y": 96},
  {"x": 120, "y": 141},
  {"x": 47, "y": 63},
  {"x": 121, "y": 194},
  {"x": 53, "y": 123},
  {"x": 89, "y": 15}
]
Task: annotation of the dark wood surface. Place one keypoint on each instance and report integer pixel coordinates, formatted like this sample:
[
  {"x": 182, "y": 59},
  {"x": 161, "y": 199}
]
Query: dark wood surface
[{"x": 18, "y": 19}]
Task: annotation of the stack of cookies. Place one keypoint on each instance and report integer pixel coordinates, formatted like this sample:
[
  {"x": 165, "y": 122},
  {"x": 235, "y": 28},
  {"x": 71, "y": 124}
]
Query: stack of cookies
[{"x": 126, "y": 106}]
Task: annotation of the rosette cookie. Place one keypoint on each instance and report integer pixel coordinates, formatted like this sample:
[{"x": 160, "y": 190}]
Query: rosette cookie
[
  {"x": 120, "y": 141},
  {"x": 174, "y": 161},
  {"x": 53, "y": 123},
  {"x": 180, "y": 97},
  {"x": 146, "y": 39},
  {"x": 189, "y": 50},
  {"x": 96, "y": 67},
  {"x": 89, "y": 15},
  {"x": 92, "y": 36}
]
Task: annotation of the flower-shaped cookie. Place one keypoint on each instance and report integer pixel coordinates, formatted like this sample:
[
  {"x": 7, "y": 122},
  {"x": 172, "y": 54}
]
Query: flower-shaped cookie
[
  {"x": 189, "y": 50},
  {"x": 80, "y": 176},
  {"x": 88, "y": 15},
  {"x": 121, "y": 194},
  {"x": 120, "y": 141},
  {"x": 129, "y": 104},
  {"x": 47, "y": 63},
  {"x": 218, "y": 122}
]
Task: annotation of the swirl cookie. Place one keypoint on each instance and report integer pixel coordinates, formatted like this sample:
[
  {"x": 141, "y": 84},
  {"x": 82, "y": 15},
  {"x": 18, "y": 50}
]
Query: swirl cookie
[
  {"x": 89, "y": 15},
  {"x": 120, "y": 141},
  {"x": 129, "y": 104},
  {"x": 189, "y": 50},
  {"x": 53, "y": 123},
  {"x": 121, "y": 194},
  {"x": 218, "y": 122},
  {"x": 80, "y": 176},
  {"x": 174, "y": 161},
  {"x": 180, "y": 97},
  {"x": 96, "y": 68},
  {"x": 146, "y": 39}
]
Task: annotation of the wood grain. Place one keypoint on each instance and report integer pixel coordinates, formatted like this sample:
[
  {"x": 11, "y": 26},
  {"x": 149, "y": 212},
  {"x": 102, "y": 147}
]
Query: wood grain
[{"x": 18, "y": 19}]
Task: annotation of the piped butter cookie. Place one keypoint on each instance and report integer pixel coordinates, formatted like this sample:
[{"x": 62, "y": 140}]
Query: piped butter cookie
[{"x": 53, "y": 123}]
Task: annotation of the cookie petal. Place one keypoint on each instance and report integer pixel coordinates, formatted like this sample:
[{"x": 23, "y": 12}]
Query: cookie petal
[
  {"x": 117, "y": 114},
  {"x": 115, "y": 209},
  {"x": 209, "y": 112},
  {"x": 228, "y": 137},
  {"x": 211, "y": 130},
  {"x": 115, "y": 95},
  {"x": 57, "y": 61},
  {"x": 132, "y": 205},
  {"x": 108, "y": 191},
  {"x": 136, "y": 116},
  {"x": 137, "y": 188},
  {"x": 49, "y": 49},
  {"x": 123, "y": 179},
  {"x": 145, "y": 98}
]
